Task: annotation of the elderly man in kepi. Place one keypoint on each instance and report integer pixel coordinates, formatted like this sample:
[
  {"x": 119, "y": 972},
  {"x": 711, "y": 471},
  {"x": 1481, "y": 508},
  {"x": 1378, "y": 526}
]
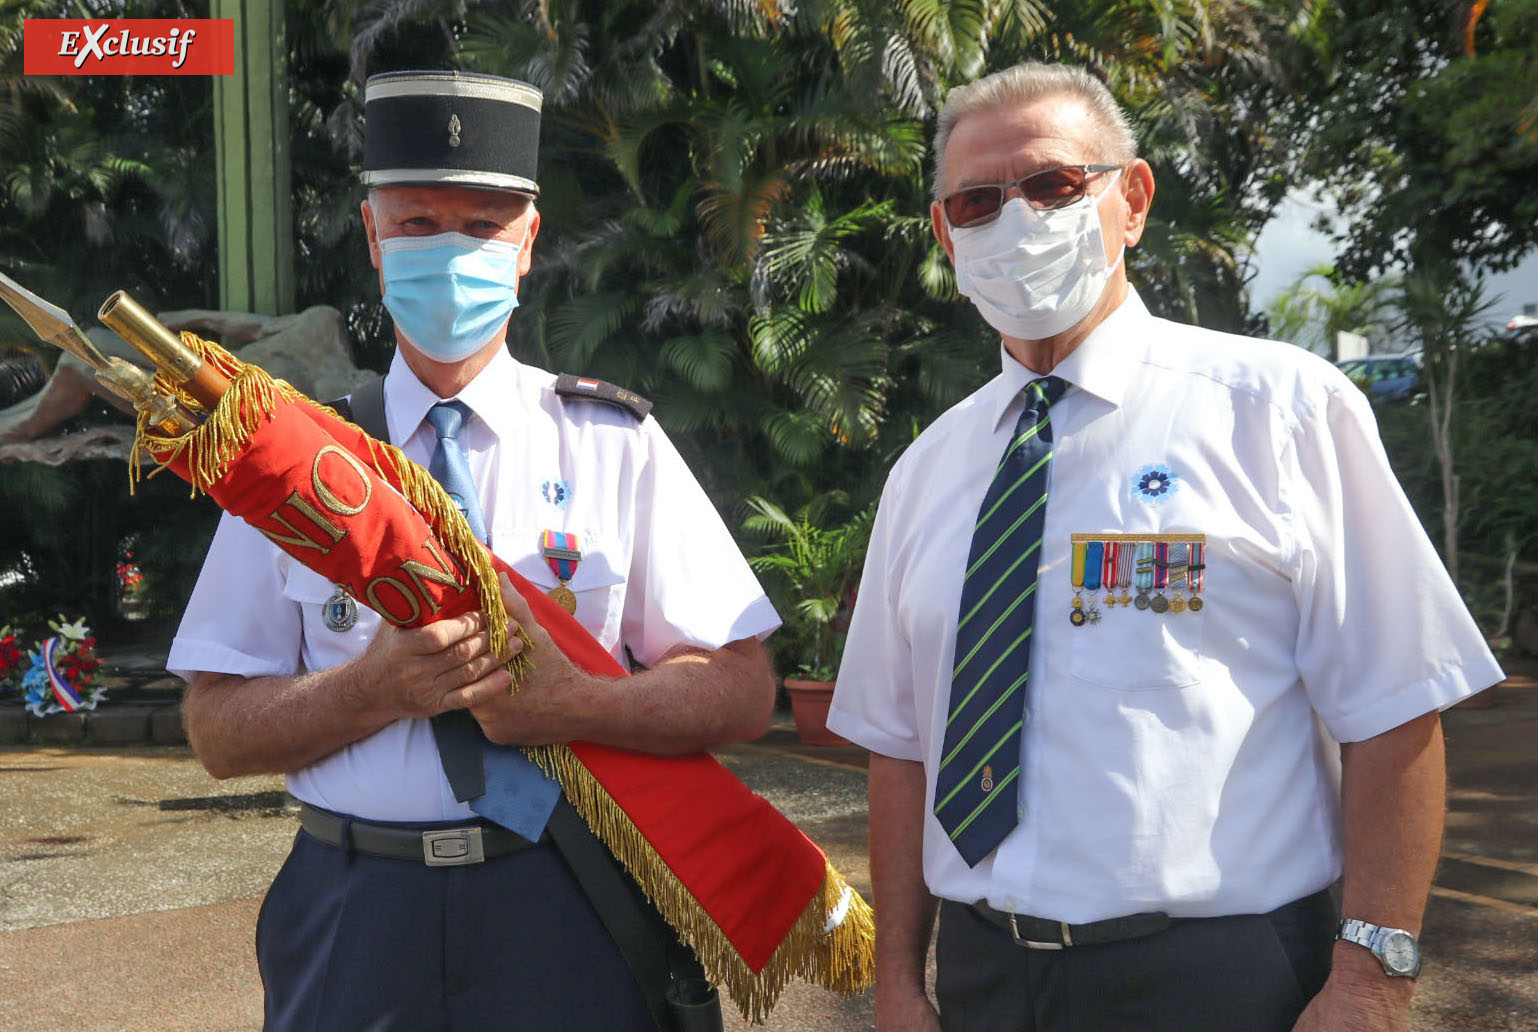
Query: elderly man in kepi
[
  {"x": 1150, "y": 647},
  {"x": 423, "y": 892}
]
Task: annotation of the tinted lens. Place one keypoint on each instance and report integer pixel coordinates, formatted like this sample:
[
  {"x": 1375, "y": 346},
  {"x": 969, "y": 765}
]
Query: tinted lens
[
  {"x": 1054, "y": 188},
  {"x": 974, "y": 204}
]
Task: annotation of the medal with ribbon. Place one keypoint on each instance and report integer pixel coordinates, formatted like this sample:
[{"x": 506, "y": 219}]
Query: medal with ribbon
[
  {"x": 1094, "y": 566},
  {"x": 1161, "y": 577},
  {"x": 562, "y": 555},
  {"x": 1145, "y": 573},
  {"x": 1076, "y": 615},
  {"x": 1126, "y": 553},
  {"x": 1108, "y": 572},
  {"x": 1177, "y": 573},
  {"x": 1196, "y": 572}
]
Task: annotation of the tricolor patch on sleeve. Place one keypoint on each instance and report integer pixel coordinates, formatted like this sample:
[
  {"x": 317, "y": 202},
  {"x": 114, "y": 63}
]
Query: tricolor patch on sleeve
[{"x": 571, "y": 386}]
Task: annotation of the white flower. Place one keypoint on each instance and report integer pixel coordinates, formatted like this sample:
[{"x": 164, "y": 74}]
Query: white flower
[{"x": 76, "y": 631}]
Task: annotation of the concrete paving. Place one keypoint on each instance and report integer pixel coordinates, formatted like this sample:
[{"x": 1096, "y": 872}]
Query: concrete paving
[{"x": 130, "y": 880}]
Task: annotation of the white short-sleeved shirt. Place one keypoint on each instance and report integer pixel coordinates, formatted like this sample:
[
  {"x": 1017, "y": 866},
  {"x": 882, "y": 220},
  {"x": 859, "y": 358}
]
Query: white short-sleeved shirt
[
  {"x": 659, "y": 570},
  {"x": 1178, "y": 762}
]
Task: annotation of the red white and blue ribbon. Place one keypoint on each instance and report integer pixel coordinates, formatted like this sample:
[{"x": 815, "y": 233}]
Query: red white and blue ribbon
[{"x": 65, "y": 692}]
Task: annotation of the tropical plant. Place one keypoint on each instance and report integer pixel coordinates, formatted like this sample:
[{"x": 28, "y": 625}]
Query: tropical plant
[
  {"x": 1444, "y": 310},
  {"x": 812, "y": 563},
  {"x": 1317, "y": 307}
]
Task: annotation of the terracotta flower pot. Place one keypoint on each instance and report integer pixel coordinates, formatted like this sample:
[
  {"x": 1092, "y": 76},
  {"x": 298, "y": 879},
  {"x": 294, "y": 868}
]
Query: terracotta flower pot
[{"x": 809, "y": 703}]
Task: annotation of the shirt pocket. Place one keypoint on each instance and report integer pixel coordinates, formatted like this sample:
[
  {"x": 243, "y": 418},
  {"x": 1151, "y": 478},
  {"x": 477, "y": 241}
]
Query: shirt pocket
[
  {"x": 1138, "y": 650},
  {"x": 313, "y": 594},
  {"x": 598, "y": 585}
]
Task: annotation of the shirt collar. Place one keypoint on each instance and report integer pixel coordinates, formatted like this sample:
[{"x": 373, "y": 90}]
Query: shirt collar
[
  {"x": 488, "y": 396},
  {"x": 1103, "y": 364}
]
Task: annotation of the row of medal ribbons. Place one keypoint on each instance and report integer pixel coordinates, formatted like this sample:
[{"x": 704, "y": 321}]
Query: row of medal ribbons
[{"x": 1160, "y": 573}]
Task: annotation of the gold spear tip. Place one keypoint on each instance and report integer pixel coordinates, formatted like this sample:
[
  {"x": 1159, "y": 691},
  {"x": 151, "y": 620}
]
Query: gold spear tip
[{"x": 51, "y": 323}]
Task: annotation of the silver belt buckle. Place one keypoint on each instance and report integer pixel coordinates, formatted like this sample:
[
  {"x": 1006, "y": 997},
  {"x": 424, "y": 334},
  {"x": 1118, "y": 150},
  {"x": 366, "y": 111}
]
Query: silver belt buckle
[
  {"x": 1031, "y": 944},
  {"x": 452, "y": 847}
]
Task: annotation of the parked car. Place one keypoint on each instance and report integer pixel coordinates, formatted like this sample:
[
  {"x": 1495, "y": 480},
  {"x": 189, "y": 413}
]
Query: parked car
[{"x": 1386, "y": 377}]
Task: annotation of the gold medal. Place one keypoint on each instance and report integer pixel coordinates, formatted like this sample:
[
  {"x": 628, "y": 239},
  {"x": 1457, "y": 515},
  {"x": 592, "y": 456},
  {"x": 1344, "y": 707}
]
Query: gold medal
[
  {"x": 563, "y": 597},
  {"x": 1178, "y": 603}
]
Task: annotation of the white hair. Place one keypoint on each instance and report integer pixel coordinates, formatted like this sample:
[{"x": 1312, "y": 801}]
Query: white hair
[{"x": 1025, "y": 84}]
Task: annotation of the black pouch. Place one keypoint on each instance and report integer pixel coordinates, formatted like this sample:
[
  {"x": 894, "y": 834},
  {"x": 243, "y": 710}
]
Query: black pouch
[{"x": 695, "y": 1005}]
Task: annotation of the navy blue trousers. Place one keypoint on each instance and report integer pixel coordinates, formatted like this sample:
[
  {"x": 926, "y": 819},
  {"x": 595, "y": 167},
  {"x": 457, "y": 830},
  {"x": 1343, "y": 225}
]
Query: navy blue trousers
[
  {"x": 353, "y": 943},
  {"x": 1248, "y": 973}
]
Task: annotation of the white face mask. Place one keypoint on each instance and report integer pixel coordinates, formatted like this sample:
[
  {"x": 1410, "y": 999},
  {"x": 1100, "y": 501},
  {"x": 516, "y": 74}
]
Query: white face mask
[{"x": 1033, "y": 274}]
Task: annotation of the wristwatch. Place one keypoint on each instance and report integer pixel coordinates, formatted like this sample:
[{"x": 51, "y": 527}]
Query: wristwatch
[{"x": 1395, "y": 948}]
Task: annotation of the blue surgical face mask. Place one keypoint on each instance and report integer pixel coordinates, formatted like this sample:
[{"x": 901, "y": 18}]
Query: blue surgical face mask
[{"x": 449, "y": 293}]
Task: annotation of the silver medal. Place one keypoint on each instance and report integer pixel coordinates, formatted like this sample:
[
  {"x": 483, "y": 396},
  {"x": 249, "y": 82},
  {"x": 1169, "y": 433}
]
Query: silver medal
[{"x": 341, "y": 611}]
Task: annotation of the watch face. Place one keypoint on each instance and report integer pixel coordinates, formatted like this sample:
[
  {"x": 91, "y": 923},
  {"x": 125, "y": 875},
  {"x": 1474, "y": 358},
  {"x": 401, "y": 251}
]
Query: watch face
[{"x": 1400, "y": 952}]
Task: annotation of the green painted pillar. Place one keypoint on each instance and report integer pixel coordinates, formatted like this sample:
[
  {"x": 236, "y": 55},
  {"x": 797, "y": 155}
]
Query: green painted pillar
[{"x": 256, "y": 223}]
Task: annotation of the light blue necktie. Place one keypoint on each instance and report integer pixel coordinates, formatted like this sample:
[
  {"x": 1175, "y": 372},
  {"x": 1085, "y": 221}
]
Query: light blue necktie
[
  {"x": 500, "y": 784},
  {"x": 977, "y": 783}
]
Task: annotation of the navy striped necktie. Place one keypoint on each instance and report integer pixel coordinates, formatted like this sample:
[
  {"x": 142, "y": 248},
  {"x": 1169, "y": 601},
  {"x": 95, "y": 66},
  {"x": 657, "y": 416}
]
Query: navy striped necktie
[{"x": 978, "y": 780}]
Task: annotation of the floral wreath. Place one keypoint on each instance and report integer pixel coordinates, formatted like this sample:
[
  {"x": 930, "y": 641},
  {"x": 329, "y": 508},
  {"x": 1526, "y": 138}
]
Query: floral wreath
[
  {"x": 10, "y": 659},
  {"x": 61, "y": 678}
]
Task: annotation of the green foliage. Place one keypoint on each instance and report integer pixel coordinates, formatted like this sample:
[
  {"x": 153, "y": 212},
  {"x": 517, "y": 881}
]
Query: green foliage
[
  {"x": 1430, "y": 151},
  {"x": 735, "y": 199},
  {"x": 811, "y": 565}
]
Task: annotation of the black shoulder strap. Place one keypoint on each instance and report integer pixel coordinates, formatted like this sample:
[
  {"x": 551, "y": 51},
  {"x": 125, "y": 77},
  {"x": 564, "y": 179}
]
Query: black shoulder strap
[
  {"x": 569, "y": 385},
  {"x": 368, "y": 409}
]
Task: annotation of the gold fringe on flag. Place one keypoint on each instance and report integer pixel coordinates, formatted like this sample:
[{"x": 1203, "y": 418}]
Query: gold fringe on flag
[
  {"x": 840, "y": 957},
  {"x": 250, "y": 402}
]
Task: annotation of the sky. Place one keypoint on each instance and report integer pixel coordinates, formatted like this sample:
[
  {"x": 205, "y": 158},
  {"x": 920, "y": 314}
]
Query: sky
[{"x": 1289, "y": 247}]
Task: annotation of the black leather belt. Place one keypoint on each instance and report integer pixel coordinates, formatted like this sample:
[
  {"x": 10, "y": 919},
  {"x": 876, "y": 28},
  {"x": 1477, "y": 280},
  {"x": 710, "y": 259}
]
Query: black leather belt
[
  {"x": 435, "y": 846},
  {"x": 1037, "y": 933}
]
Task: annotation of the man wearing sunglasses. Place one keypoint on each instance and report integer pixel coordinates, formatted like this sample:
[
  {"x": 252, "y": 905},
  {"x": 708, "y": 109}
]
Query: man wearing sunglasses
[{"x": 1212, "y": 807}]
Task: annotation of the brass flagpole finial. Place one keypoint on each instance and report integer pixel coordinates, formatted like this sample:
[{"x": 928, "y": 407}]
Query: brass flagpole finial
[{"x": 54, "y": 326}]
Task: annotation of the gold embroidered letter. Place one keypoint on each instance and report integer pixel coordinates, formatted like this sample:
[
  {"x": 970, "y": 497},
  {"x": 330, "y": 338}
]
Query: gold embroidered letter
[
  {"x": 328, "y": 497},
  {"x": 299, "y": 540}
]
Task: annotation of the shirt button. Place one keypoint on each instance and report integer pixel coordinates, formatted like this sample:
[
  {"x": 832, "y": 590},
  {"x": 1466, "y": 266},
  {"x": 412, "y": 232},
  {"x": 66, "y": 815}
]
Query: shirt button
[
  {"x": 1019, "y": 812},
  {"x": 1011, "y": 904}
]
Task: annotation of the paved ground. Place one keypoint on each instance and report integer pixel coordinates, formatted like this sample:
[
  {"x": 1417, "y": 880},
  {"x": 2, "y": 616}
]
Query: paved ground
[{"x": 130, "y": 880}]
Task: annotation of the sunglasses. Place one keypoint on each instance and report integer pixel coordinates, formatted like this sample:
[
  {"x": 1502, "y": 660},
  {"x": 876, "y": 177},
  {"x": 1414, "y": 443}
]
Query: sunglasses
[{"x": 1045, "y": 191}]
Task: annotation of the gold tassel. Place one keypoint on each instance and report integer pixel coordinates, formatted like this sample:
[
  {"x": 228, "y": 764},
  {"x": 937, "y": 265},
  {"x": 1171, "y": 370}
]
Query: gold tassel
[
  {"x": 841, "y": 959},
  {"x": 250, "y": 402}
]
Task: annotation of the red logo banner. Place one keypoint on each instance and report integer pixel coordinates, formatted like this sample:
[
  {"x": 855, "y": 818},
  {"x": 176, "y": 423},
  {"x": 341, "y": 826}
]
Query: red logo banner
[{"x": 129, "y": 46}]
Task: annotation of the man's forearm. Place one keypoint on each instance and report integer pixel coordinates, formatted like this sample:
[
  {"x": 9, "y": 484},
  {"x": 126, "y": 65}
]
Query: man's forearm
[
  {"x": 905, "y": 911},
  {"x": 687, "y": 703},
  {"x": 1393, "y": 796},
  {"x": 1393, "y": 800},
  {"x": 275, "y": 725}
]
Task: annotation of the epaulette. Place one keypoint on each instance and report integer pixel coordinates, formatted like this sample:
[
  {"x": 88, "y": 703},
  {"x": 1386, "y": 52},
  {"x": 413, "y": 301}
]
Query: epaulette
[{"x": 569, "y": 385}]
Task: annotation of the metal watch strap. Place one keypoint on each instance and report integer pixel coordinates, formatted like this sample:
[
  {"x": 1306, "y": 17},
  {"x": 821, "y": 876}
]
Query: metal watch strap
[{"x": 1372, "y": 938}]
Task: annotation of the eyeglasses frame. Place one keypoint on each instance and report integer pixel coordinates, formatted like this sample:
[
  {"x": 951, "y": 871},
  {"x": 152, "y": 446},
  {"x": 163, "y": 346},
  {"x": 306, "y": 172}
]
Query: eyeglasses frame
[{"x": 1088, "y": 171}]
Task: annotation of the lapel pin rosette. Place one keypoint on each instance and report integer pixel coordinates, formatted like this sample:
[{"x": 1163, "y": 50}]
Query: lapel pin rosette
[
  {"x": 756, "y": 899},
  {"x": 62, "y": 677}
]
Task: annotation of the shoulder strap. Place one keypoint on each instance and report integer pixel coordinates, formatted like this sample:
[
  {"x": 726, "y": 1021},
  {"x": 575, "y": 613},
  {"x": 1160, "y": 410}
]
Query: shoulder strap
[
  {"x": 569, "y": 385},
  {"x": 368, "y": 409}
]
